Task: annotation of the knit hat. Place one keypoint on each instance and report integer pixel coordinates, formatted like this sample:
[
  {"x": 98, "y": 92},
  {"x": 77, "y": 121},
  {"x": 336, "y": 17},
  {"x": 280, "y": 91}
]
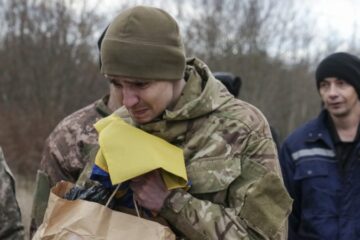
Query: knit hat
[
  {"x": 340, "y": 65},
  {"x": 143, "y": 42},
  {"x": 99, "y": 42}
]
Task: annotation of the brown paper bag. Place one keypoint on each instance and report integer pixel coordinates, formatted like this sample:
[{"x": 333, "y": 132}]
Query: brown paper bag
[{"x": 80, "y": 220}]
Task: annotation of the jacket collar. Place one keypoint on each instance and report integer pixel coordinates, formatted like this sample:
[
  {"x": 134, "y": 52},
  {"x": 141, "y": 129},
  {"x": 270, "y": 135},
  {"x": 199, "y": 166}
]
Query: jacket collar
[
  {"x": 319, "y": 130},
  {"x": 202, "y": 95},
  {"x": 101, "y": 106}
]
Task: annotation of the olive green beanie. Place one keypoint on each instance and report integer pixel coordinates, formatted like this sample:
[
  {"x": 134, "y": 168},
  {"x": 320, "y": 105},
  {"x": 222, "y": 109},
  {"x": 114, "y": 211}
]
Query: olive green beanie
[{"x": 143, "y": 42}]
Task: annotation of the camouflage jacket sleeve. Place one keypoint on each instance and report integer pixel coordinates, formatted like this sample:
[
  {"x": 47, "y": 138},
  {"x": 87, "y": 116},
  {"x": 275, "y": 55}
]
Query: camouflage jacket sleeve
[
  {"x": 58, "y": 154},
  {"x": 55, "y": 165},
  {"x": 66, "y": 149},
  {"x": 10, "y": 217},
  {"x": 65, "y": 154},
  {"x": 254, "y": 206}
]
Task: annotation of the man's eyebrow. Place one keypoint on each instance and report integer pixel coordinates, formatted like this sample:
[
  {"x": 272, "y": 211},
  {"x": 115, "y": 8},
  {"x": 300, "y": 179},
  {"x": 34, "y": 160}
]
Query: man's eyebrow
[
  {"x": 112, "y": 80},
  {"x": 132, "y": 81},
  {"x": 137, "y": 81}
]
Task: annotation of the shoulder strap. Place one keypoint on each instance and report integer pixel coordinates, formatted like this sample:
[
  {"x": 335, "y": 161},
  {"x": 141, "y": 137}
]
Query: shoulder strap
[{"x": 84, "y": 177}]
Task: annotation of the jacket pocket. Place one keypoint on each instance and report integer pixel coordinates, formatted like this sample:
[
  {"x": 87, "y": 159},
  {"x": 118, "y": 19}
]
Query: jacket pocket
[
  {"x": 213, "y": 174},
  {"x": 317, "y": 189},
  {"x": 310, "y": 169}
]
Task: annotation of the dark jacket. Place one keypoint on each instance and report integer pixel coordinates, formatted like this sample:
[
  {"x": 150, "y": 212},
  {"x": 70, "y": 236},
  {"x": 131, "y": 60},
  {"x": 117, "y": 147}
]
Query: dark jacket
[{"x": 326, "y": 200}]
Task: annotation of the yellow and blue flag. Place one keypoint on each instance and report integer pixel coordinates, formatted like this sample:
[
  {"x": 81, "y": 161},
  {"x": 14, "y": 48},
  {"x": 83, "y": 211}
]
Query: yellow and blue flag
[{"x": 127, "y": 152}]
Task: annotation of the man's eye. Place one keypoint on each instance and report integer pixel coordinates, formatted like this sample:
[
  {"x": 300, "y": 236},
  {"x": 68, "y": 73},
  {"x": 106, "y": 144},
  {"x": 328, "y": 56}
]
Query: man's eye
[
  {"x": 141, "y": 84},
  {"x": 341, "y": 82},
  {"x": 323, "y": 84},
  {"x": 115, "y": 84}
]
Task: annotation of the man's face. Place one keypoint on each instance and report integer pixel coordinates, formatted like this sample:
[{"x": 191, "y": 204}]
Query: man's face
[
  {"x": 338, "y": 96},
  {"x": 145, "y": 100}
]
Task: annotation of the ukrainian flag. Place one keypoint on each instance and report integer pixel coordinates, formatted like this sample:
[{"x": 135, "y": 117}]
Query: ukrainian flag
[{"x": 127, "y": 152}]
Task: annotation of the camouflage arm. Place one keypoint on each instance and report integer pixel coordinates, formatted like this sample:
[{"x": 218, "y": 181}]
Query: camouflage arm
[
  {"x": 67, "y": 148},
  {"x": 10, "y": 216},
  {"x": 258, "y": 203},
  {"x": 54, "y": 166},
  {"x": 60, "y": 148},
  {"x": 42, "y": 191}
]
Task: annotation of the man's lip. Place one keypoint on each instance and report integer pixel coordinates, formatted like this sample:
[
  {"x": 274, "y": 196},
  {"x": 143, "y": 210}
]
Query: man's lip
[
  {"x": 138, "y": 112},
  {"x": 334, "y": 104}
]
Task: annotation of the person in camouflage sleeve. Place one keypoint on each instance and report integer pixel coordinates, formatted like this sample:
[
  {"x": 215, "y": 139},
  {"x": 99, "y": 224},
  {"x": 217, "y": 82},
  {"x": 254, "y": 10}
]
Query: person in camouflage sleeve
[
  {"x": 237, "y": 190},
  {"x": 68, "y": 149},
  {"x": 10, "y": 216}
]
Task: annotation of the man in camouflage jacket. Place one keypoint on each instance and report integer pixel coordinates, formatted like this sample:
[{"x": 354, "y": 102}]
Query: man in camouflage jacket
[
  {"x": 68, "y": 146},
  {"x": 236, "y": 187},
  {"x": 10, "y": 216},
  {"x": 67, "y": 150}
]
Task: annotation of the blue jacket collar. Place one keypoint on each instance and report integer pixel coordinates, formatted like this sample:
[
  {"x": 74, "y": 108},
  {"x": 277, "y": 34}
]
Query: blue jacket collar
[{"x": 319, "y": 130}]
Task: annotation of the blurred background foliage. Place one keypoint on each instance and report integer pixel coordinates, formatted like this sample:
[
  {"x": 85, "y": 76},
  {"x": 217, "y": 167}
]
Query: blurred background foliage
[{"x": 49, "y": 61}]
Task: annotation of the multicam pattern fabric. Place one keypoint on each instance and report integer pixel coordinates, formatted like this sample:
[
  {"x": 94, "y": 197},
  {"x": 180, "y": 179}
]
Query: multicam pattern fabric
[
  {"x": 237, "y": 191},
  {"x": 66, "y": 153},
  {"x": 10, "y": 217},
  {"x": 67, "y": 148}
]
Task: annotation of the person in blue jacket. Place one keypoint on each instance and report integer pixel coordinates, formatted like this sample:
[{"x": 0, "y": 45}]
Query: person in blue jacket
[{"x": 320, "y": 160}]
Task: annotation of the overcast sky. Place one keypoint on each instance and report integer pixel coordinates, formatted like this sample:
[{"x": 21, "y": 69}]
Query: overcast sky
[
  {"x": 338, "y": 19},
  {"x": 332, "y": 15},
  {"x": 337, "y": 15}
]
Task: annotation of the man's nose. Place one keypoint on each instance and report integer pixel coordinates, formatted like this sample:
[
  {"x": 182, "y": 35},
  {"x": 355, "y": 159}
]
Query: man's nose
[
  {"x": 130, "y": 98},
  {"x": 333, "y": 91}
]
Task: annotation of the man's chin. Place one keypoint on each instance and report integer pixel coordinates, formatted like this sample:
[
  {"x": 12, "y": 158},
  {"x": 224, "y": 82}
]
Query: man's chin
[
  {"x": 143, "y": 118},
  {"x": 139, "y": 120},
  {"x": 338, "y": 113}
]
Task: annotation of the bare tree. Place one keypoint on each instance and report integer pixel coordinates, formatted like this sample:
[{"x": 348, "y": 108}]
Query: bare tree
[
  {"x": 48, "y": 60},
  {"x": 48, "y": 70},
  {"x": 263, "y": 41}
]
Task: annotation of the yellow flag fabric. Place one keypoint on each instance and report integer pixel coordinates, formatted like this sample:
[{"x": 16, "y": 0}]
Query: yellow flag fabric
[{"x": 127, "y": 152}]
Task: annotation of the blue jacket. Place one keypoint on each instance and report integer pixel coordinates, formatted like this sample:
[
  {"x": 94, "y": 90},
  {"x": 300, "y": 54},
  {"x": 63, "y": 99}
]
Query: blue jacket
[{"x": 326, "y": 200}]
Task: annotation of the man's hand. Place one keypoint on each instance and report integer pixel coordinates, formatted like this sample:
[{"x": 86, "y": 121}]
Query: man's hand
[{"x": 150, "y": 190}]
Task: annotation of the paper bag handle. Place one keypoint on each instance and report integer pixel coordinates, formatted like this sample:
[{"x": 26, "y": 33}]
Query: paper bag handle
[{"x": 112, "y": 196}]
